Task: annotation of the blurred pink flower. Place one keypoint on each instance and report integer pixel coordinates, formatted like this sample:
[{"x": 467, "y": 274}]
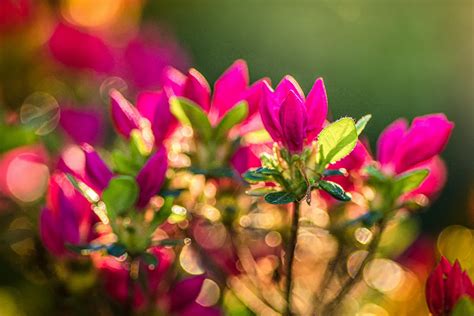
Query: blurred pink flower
[
  {"x": 67, "y": 217},
  {"x": 288, "y": 117},
  {"x": 445, "y": 286},
  {"x": 401, "y": 148},
  {"x": 115, "y": 276},
  {"x": 94, "y": 172},
  {"x": 14, "y": 14},
  {"x": 80, "y": 49},
  {"x": 434, "y": 182},
  {"x": 82, "y": 125}
]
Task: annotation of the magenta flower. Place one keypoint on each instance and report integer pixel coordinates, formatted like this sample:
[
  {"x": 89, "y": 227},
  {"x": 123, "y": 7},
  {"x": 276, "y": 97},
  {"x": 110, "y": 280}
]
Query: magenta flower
[
  {"x": 152, "y": 111},
  {"x": 82, "y": 125},
  {"x": 445, "y": 286},
  {"x": 182, "y": 298},
  {"x": 291, "y": 119},
  {"x": 401, "y": 148},
  {"x": 116, "y": 274},
  {"x": 67, "y": 217},
  {"x": 67, "y": 46},
  {"x": 230, "y": 88},
  {"x": 96, "y": 174}
]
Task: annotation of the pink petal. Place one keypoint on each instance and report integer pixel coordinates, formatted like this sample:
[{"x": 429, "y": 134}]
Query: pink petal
[
  {"x": 389, "y": 140},
  {"x": 454, "y": 286},
  {"x": 254, "y": 95},
  {"x": 293, "y": 122},
  {"x": 435, "y": 180},
  {"x": 230, "y": 87},
  {"x": 151, "y": 177},
  {"x": 244, "y": 159},
  {"x": 197, "y": 89},
  {"x": 435, "y": 296},
  {"x": 97, "y": 174},
  {"x": 197, "y": 309},
  {"x": 317, "y": 108},
  {"x": 78, "y": 49},
  {"x": 155, "y": 107},
  {"x": 174, "y": 81},
  {"x": 82, "y": 125},
  {"x": 287, "y": 84},
  {"x": 49, "y": 232},
  {"x": 427, "y": 137},
  {"x": 124, "y": 115},
  {"x": 185, "y": 293},
  {"x": 269, "y": 110}
]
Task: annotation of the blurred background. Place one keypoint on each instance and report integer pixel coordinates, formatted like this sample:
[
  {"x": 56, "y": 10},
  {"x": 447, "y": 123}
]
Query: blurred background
[{"x": 388, "y": 58}]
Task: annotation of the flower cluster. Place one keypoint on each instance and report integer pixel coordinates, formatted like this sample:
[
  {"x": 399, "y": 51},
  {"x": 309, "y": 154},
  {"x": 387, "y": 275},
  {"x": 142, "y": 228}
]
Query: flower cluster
[{"x": 183, "y": 184}]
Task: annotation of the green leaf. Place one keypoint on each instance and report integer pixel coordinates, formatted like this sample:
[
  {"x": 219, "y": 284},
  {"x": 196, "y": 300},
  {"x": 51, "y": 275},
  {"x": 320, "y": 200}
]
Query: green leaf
[
  {"x": 280, "y": 197},
  {"x": 84, "y": 249},
  {"x": 189, "y": 113},
  {"x": 116, "y": 250},
  {"x": 409, "y": 181},
  {"x": 362, "y": 123},
  {"x": 375, "y": 173},
  {"x": 253, "y": 176},
  {"x": 12, "y": 136},
  {"x": 336, "y": 141},
  {"x": 464, "y": 307},
  {"x": 259, "y": 191},
  {"x": 335, "y": 190},
  {"x": 267, "y": 171},
  {"x": 120, "y": 195},
  {"x": 233, "y": 117},
  {"x": 335, "y": 172},
  {"x": 149, "y": 259},
  {"x": 123, "y": 164}
]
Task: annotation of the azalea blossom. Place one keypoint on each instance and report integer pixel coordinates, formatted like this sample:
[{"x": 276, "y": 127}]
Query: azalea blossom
[
  {"x": 445, "y": 286},
  {"x": 289, "y": 117}
]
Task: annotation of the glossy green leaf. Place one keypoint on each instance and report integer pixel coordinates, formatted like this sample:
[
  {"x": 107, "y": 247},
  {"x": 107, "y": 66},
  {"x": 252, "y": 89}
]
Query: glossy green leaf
[
  {"x": 233, "y": 117},
  {"x": 253, "y": 176},
  {"x": 336, "y": 141},
  {"x": 280, "y": 197},
  {"x": 362, "y": 123},
  {"x": 409, "y": 181},
  {"x": 335, "y": 172},
  {"x": 189, "y": 113},
  {"x": 116, "y": 250},
  {"x": 335, "y": 190},
  {"x": 259, "y": 191},
  {"x": 120, "y": 195},
  {"x": 149, "y": 259}
]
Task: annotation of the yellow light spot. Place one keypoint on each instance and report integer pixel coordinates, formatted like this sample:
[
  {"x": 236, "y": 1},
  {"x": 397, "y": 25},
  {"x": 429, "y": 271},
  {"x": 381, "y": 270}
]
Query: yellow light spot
[
  {"x": 91, "y": 13},
  {"x": 273, "y": 239},
  {"x": 363, "y": 235},
  {"x": 189, "y": 261},
  {"x": 455, "y": 242},
  {"x": 210, "y": 293},
  {"x": 383, "y": 275}
]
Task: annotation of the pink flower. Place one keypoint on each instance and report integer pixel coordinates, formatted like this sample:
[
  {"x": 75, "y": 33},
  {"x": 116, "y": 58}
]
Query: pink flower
[
  {"x": 15, "y": 14},
  {"x": 434, "y": 182},
  {"x": 230, "y": 88},
  {"x": 291, "y": 119},
  {"x": 401, "y": 148},
  {"x": 83, "y": 125},
  {"x": 80, "y": 49},
  {"x": 116, "y": 277},
  {"x": 67, "y": 217},
  {"x": 95, "y": 173},
  {"x": 152, "y": 110},
  {"x": 445, "y": 286},
  {"x": 182, "y": 298}
]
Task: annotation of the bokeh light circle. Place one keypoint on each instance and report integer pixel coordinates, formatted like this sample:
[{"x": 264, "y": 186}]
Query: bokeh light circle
[{"x": 40, "y": 111}]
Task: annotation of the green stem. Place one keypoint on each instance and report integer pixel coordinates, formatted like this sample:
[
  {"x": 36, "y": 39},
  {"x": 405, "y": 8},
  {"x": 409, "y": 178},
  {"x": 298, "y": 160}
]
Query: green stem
[
  {"x": 290, "y": 254},
  {"x": 351, "y": 282}
]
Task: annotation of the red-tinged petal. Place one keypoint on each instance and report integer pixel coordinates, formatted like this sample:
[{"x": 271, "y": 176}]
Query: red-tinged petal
[
  {"x": 427, "y": 137},
  {"x": 435, "y": 292},
  {"x": 82, "y": 125},
  {"x": 317, "y": 108},
  {"x": 287, "y": 84},
  {"x": 389, "y": 140},
  {"x": 97, "y": 174},
  {"x": 244, "y": 159},
  {"x": 454, "y": 287},
  {"x": 293, "y": 121},
  {"x": 78, "y": 49},
  {"x": 151, "y": 177},
  {"x": 156, "y": 274},
  {"x": 155, "y": 107},
  {"x": 434, "y": 182},
  {"x": 124, "y": 115},
  {"x": 197, "y": 89},
  {"x": 174, "y": 81},
  {"x": 185, "y": 293},
  {"x": 230, "y": 87},
  {"x": 49, "y": 232}
]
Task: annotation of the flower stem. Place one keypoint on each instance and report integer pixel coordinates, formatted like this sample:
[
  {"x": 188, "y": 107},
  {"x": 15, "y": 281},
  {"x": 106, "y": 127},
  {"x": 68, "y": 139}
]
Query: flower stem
[
  {"x": 352, "y": 281},
  {"x": 290, "y": 254}
]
